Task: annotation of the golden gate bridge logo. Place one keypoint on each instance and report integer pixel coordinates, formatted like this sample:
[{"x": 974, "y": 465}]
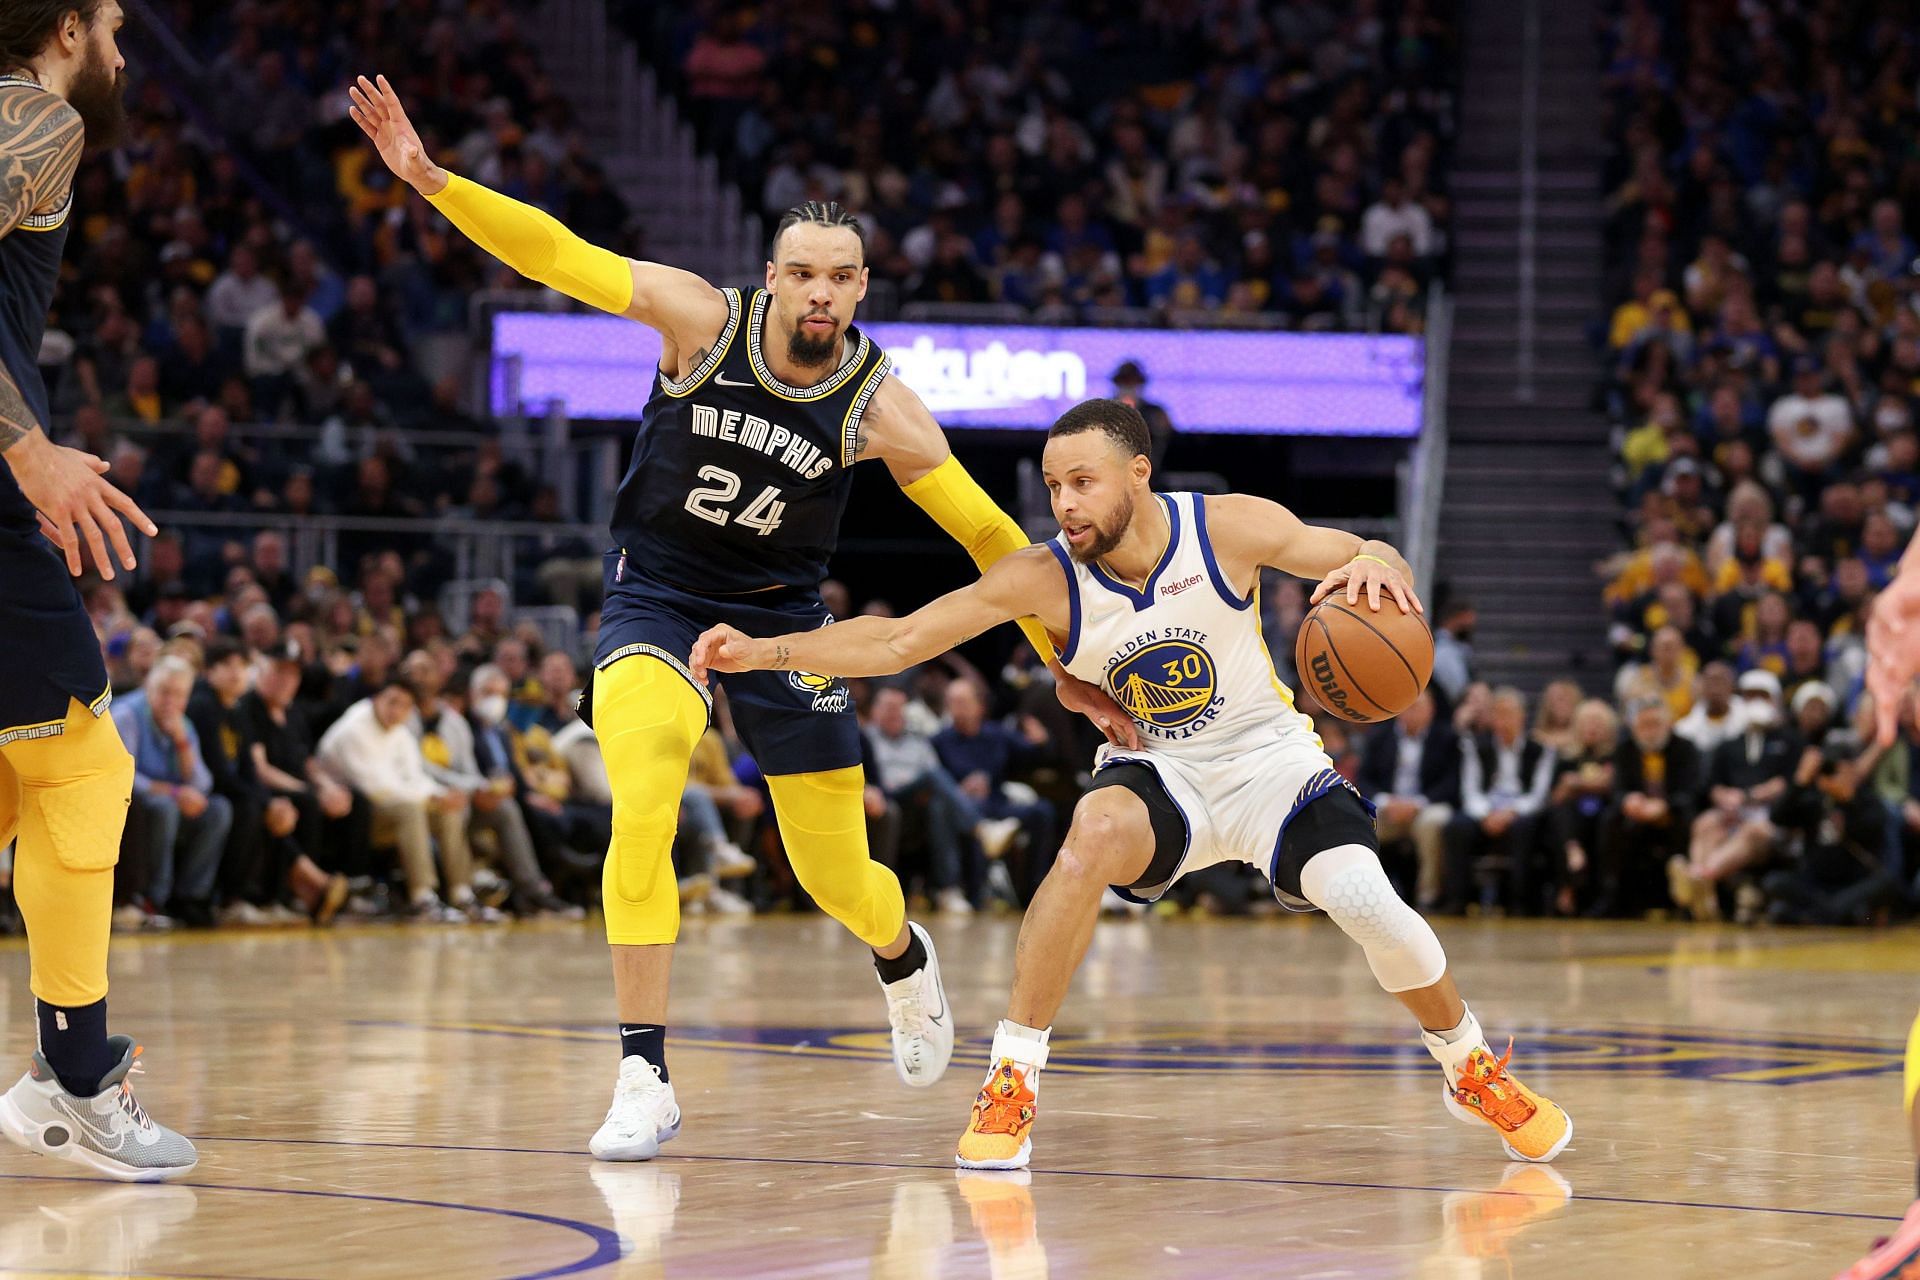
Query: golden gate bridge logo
[{"x": 1164, "y": 685}]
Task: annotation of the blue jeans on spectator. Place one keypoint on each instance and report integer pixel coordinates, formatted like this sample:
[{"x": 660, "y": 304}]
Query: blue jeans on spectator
[
  {"x": 952, "y": 815},
  {"x": 168, "y": 839},
  {"x": 701, "y": 821}
]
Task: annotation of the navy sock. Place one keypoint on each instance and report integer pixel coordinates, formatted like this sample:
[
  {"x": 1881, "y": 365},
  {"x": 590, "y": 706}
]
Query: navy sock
[
  {"x": 904, "y": 965},
  {"x": 645, "y": 1040},
  {"x": 74, "y": 1043}
]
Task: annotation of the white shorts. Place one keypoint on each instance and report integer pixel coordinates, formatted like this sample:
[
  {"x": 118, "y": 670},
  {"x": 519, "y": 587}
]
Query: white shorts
[{"x": 1238, "y": 800}]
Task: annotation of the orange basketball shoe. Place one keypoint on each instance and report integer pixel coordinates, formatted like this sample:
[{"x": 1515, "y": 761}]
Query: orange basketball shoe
[
  {"x": 1531, "y": 1127},
  {"x": 1000, "y": 1134}
]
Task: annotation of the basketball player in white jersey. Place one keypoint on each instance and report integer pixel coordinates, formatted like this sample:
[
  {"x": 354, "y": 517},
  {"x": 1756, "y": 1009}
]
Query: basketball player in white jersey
[{"x": 1153, "y": 596}]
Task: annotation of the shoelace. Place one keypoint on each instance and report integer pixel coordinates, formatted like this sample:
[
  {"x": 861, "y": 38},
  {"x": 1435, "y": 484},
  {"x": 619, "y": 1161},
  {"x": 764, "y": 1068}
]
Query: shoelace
[
  {"x": 910, "y": 1010},
  {"x": 129, "y": 1105},
  {"x": 637, "y": 1083},
  {"x": 1003, "y": 1112},
  {"x": 1510, "y": 1108}
]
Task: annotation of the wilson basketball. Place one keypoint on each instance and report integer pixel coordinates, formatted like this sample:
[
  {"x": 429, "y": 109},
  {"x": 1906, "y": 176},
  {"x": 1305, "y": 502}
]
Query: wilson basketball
[{"x": 1361, "y": 665}]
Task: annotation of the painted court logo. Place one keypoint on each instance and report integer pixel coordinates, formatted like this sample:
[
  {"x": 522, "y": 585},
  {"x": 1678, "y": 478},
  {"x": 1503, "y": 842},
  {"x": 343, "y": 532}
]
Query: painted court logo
[{"x": 828, "y": 693}]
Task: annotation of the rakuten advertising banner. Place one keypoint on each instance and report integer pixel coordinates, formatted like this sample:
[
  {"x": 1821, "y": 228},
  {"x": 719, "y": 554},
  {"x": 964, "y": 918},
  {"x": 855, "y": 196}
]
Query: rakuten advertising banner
[{"x": 1019, "y": 376}]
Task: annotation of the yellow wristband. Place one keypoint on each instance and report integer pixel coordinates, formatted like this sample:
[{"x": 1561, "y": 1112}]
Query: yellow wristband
[{"x": 1376, "y": 560}]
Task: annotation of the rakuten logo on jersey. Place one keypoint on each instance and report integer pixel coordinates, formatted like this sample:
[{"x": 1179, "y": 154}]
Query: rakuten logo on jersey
[{"x": 994, "y": 377}]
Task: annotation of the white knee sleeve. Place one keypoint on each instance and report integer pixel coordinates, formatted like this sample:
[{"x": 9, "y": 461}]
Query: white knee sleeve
[{"x": 1347, "y": 883}]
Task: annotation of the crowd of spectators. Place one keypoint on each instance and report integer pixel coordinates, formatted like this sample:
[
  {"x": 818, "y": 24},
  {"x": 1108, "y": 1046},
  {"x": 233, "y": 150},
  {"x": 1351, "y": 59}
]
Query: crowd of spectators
[
  {"x": 1277, "y": 160},
  {"x": 1762, "y": 363}
]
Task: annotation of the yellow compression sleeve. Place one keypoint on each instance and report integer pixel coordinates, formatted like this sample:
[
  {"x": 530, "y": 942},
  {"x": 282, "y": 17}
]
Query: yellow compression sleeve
[
  {"x": 960, "y": 506},
  {"x": 823, "y": 823},
  {"x": 536, "y": 245},
  {"x": 1913, "y": 1064}
]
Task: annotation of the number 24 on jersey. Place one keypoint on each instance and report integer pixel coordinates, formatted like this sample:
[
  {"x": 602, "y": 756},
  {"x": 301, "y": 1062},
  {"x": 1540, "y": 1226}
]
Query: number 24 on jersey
[{"x": 710, "y": 500}]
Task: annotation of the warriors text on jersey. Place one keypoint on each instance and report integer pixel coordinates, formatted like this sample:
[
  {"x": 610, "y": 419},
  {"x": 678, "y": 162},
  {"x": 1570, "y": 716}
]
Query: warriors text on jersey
[{"x": 738, "y": 480}]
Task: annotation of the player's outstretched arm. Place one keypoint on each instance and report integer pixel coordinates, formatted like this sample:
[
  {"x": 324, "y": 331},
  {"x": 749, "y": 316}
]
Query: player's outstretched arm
[
  {"x": 1893, "y": 644},
  {"x": 41, "y": 138},
  {"x": 682, "y": 306},
  {"x": 1024, "y": 583},
  {"x": 898, "y": 429},
  {"x": 1248, "y": 533}
]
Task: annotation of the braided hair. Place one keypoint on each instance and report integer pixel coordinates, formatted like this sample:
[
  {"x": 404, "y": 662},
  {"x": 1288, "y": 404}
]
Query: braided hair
[{"x": 820, "y": 213}]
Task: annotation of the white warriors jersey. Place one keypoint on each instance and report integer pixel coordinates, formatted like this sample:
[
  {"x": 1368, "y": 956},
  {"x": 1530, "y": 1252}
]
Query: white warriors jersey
[{"x": 1183, "y": 655}]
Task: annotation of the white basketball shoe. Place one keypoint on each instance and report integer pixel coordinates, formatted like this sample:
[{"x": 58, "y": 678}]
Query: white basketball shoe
[
  {"x": 108, "y": 1133},
  {"x": 643, "y": 1114},
  {"x": 921, "y": 1019}
]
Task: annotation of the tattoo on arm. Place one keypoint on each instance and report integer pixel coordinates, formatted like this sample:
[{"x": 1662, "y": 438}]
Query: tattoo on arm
[
  {"x": 782, "y": 655},
  {"x": 860, "y": 441},
  {"x": 16, "y": 418},
  {"x": 41, "y": 138}
]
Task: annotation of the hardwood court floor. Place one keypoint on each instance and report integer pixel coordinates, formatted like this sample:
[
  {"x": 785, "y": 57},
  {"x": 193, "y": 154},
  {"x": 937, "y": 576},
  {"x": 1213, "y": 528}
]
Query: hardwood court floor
[{"x": 1230, "y": 1099}]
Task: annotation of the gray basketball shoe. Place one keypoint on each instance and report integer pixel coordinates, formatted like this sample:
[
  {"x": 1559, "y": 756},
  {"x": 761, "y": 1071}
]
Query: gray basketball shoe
[{"x": 108, "y": 1133}]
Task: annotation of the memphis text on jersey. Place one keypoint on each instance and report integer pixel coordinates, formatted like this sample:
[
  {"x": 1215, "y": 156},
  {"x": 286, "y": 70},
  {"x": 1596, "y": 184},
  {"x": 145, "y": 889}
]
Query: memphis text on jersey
[{"x": 751, "y": 431}]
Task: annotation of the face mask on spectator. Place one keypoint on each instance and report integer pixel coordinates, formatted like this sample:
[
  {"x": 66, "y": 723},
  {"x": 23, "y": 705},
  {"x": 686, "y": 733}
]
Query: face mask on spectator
[
  {"x": 491, "y": 709},
  {"x": 1762, "y": 715}
]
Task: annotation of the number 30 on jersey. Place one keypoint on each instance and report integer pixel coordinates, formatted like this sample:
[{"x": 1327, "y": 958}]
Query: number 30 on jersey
[{"x": 762, "y": 515}]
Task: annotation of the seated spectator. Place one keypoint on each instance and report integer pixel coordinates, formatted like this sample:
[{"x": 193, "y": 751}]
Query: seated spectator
[
  {"x": 569, "y": 839},
  {"x": 371, "y": 749},
  {"x": 176, "y": 822},
  {"x": 1582, "y": 791},
  {"x": 1553, "y": 719},
  {"x": 260, "y": 852},
  {"x": 1745, "y": 776},
  {"x": 1765, "y": 645},
  {"x": 1835, "y": 836},
  {"x": 1716, "y": 714},
  {"x": 1656, "y": 775},
  {"x": 1812, "y": 429},
  {"x": 1667, "y": 674},
  {"x": 982, "y": 754},
  {"x": 908, "y": 769},
  {"x": 1410, "y": 769},
  {"x": 1504, "y": 780},
  {"x": 725, "y": 806},
  {"x": 1806, "y": 658}
]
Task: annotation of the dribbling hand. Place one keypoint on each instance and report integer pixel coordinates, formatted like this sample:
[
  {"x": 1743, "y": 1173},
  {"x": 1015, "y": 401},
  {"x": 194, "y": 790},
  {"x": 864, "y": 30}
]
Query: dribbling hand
[{"x": 1364, "y": 576}]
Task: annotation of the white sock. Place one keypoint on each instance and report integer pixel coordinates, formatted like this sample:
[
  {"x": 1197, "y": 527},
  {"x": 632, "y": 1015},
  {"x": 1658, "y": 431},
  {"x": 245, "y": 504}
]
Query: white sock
[{"x": 1452, "y": 1047}]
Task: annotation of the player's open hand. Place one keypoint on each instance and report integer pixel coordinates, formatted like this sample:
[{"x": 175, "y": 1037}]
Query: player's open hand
[
  {"x": 1093, "y": 702},
  {"x": 1893, "y": 651},
  {"x": 1365, "y": 576},
  {"x": 376, "y": 109},
  {"x": 70, "y": 492},
  {"x": 723, "y": 648}
]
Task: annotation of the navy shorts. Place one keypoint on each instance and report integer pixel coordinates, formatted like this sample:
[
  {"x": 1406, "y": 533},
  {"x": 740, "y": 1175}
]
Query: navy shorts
[
  {"x": 52, "y": 653},
  {"x": 791, "y": 721}
]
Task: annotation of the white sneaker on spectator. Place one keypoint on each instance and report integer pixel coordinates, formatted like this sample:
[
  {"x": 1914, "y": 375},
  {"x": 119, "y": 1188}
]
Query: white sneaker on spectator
[
  {"x": 643, "y": 1115},
  {"x": 240, "y": 914},
  {"x": 1000, "y": 884},
  {"x": 952, "y": 902},
  {"x": 730, "y": 861},
  {"x": 128, "y": 919},
  {"x": 695, "y": 888},
  {"x": 279, "y": 914},
  {"x": 725, "y": 902},
  {"x": 996, "y": 835},
  {"x": 158, "y": 922},
  {"x": 430, "y": 910},
  {"x": 1113, "y": 904}
]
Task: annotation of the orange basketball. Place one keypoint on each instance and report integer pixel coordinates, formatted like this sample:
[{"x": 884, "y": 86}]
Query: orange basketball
[{"x": 1361, "y": 665}]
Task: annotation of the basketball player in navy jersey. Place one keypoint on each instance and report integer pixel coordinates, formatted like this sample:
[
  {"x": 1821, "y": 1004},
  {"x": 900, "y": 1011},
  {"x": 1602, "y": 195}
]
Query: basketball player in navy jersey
[
  {"x": 1153, "y": 594},
  {"x": 65, "y": 777},
  {"x": 764, "y": 399}
]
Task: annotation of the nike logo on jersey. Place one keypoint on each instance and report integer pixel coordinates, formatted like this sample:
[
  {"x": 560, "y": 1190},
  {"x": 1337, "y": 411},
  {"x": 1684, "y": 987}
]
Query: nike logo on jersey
[
  {"x": 725, "y": 381},
  {"x": 751, "y": 431}
]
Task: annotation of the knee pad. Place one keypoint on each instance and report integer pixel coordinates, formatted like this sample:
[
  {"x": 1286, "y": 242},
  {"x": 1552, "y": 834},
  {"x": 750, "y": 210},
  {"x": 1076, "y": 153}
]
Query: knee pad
[
  {"x": 823, "y": 822},
  {"x": 73, "y": 792},
  {"x": 1348, "y": 884},
  {"x": 647, "y": 719}
]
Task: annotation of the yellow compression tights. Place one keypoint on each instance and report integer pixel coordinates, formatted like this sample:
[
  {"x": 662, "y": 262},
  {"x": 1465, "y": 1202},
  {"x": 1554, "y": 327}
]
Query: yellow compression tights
[
  {"x": 823, "y": 821},
  {"x": 647, "y": 717},
  {"x": 1913, "y": 1064},
  {"x": 66, "y": 797}
]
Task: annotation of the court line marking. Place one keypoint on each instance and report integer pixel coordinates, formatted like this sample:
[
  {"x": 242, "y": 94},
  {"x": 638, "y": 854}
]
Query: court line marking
[
  {"x": 607, "y": 1244},
  {"x": 1250, "y": 1180}
]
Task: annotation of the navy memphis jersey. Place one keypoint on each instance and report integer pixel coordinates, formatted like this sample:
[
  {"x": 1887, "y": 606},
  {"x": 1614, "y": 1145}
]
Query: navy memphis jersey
[
  {"x": 29, "y": 270},
  {"x": 738, "y": 481}
]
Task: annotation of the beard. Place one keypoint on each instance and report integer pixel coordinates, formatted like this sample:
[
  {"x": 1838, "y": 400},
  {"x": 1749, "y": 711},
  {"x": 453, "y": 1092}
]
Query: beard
[
  {"x": 95, "y": 94},
  {"x": 1106, "y": 536},
  {"x": 808, "y": 352}
]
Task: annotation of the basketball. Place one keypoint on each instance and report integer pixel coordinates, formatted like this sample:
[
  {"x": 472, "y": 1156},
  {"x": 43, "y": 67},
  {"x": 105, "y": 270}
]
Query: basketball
[{"x": 1361, "y": 665}]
